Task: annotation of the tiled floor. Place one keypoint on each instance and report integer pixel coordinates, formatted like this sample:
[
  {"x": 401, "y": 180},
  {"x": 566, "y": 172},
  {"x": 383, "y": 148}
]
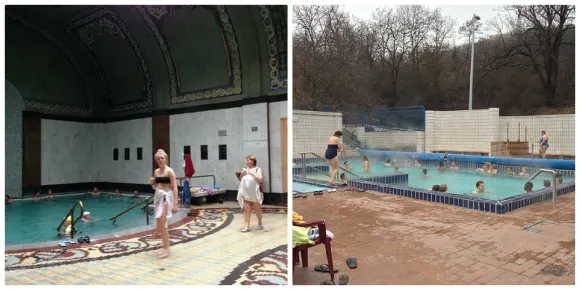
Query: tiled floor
[
  {"x": 208, "y": 250},
  {"x": 399, "y": 240}
]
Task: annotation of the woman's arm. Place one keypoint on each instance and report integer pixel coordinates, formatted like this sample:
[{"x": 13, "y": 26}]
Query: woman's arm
[
  {"x": 258, "y": 175},
  {"x": 152, "y": 181}
]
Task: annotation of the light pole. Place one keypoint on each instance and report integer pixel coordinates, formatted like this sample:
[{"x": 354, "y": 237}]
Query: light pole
[{"x": 472, "y": 34}]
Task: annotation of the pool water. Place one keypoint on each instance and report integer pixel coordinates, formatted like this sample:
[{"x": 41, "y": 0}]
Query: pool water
[
  {"x": 30, "y": 222},
  {"x": 305, "y": 187},
  {"x": 497, "y": 186}
]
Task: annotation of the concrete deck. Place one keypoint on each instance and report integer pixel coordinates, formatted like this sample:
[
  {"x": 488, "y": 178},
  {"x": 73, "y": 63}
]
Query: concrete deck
[{"x": 399, "y": 240}]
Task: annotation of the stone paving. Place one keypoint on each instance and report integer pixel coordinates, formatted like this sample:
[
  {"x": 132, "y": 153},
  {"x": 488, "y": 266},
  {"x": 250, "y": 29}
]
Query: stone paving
[
  {"x": 206, "y": 250},
  {"x": 399, "y": 240}
]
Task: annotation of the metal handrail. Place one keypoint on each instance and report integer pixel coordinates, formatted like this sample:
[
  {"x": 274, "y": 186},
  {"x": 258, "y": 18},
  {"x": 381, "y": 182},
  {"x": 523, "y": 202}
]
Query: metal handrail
[
  {"x": 316, "y": 155},
  {"x": 321, "y": 171},
  {"x": 73, "y": 220},
  {"x": 114, "y": 218},
  {"x": 554, "y": 190}
]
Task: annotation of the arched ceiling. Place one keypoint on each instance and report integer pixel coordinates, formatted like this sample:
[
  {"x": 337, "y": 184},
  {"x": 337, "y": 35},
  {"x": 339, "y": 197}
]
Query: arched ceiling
[{"x": 102, "y": 60}]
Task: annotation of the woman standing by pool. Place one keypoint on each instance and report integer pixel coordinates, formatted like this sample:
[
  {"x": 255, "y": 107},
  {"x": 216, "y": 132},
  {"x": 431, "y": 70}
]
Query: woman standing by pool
[
  {"x": 165, "y": 200},
  {"x": 334, "y": 145},
  {"x": 249, "y": 193},
  {"x": 544, "y": 144}
]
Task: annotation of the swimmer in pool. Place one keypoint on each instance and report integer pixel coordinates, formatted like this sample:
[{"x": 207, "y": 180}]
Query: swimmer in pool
[
  {"x": 165, "y": 199},
  {"x": 334, "y": 145},
  {"x": 117, "y": 192},
  {"x": 484, "y": 168},
  {"x": 135, "y": 194},
  {"x": 559, "y": 178},
  {"x": 96, "y": 191},
  {"x": 443, "y": 188},
  {"x": 435, "y": 187},
  {"x": 366, "y": 164},
  {"x": 346, "y": 165},
  {"x": 37, "y": 196},
  {"x": 343, "y": 178},
  {"x": 397, "y": 170},
  {"x": 388, "y": 163},
  {"x": 479, "y": 187},
  {"x": 547, "y": 183},
  {"x": 66, "y": 228},
  {"x": 87, "y": 217},
  {"x": 509, "y": 171},
  {"x": 454, "y": 166},
  {"x": 7, "y": 199},
  {"x": 491, "y": 169},
  {"x": 528, "y": 187},
  {"x": 407, "y": 163},
  {"x": 524, "y": 171},
  {"x": 424, "y": 176},
  {"x": 417, "y": 164},
  {"x": 50, "y": 195}
]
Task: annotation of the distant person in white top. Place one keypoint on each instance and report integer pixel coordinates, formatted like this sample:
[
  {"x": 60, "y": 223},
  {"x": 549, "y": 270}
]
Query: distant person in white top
[{"x": 250, "y": 195}]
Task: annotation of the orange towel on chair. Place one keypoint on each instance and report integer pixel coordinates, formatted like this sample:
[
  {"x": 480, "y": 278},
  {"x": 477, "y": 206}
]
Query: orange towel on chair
[{"x": 189, "y": 169}]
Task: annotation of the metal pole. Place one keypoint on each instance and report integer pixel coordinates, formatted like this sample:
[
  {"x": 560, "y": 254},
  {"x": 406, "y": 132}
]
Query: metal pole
[
  {"x": 554, "y": 190},
  {"x": 471, "y": 73}
]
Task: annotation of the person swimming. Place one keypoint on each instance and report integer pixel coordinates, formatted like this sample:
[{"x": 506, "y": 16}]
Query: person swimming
[
  {"x": 366, "y": 164},
  {"x": 334, "y": 145}
]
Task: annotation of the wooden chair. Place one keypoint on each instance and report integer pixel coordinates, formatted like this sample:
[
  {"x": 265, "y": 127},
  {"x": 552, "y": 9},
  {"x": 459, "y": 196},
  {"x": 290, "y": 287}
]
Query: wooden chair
[{"x": 302, "y": 250}]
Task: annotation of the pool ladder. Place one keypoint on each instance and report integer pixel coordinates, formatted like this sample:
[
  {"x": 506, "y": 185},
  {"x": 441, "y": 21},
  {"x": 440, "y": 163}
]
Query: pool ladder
[
  {"x": 554, "y": 190},
  {"x": 303, "y": 161},
  {"x": 71, "y": 214},
  {"x": 148, "y": 201}
]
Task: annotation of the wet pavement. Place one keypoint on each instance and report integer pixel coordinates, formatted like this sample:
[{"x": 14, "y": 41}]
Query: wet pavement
[{"x": 399, "y": 240}]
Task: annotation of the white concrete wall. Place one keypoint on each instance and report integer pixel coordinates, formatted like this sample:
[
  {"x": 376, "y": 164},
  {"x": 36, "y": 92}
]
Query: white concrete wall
[
  {"x": 130, "y": 134},
  {"x": 459, "y": 131},
  {"x": 560, "y": 130},
  {"x": 201, "y": 128},
  {"x": 67, "y": 151},
  {"x": 311, "y": 130}
]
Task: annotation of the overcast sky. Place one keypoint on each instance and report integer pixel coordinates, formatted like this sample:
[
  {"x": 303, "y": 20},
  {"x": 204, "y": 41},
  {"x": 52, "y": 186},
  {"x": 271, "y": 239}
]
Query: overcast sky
[{"x": 461, "y": 14}]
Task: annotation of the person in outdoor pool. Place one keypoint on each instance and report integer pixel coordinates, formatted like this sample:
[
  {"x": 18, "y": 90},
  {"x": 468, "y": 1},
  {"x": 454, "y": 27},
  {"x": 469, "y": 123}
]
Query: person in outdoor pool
[
  {"x": 388, "y": 163},
  {"x": 366, "y": 164},
  {"x": 559, "y": 178},
  {"x": 87, "y": 217},
  {"x": 509, "y": 171},
  {"x": 442, "y": 166},
  {"x": 407, "y": 163},
  {"x": 50, "y": 195},
  {"x": 528, "y": 187},
  {"x": 333, "y": 147},
  {"x": 491, "y": 169},
  {"x": 343, "y": 178},
  {"x": 397, "y": 170},
  {"x": 543, "y": 144},
  {"x": 417, "y": 164},
  {"x": 524, "y": 171},
  {"x": 347, "y": 165},
  {"x": 453, "y": 166},
  {"x": 424, "y": 176},
  {"x": 547, "y": 183},
  {"x": 443, "y": 188},
  {"x": 435, "y": 187},
  {"x": 7, "y": 199},
  {"x": 479, "y": 187}
]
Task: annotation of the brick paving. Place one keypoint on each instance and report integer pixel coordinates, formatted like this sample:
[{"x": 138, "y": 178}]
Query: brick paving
[{"x": 402, "y": 241}]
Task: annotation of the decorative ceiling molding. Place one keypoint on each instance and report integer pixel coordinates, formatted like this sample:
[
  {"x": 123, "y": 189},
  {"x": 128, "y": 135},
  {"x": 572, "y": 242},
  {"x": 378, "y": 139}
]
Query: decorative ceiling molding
[
  {"x": 53, "y": 106},
  {"x": 277, "y": 47},
  {"x": 106, "y": 22},
  {"x": 235, "y": 87}
]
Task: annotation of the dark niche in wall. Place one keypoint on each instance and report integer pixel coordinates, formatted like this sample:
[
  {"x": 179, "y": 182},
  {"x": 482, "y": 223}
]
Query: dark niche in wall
[
  {"x": 203, "y": 154},
  {"x": 127, "y": 154},
  {"x": 139, "y": 153},
  {"x": 116, "y": 154}
]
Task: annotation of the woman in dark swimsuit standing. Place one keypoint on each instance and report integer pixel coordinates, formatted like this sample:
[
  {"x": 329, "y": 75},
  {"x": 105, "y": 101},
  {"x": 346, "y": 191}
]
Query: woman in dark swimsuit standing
[
  {"x": 165, "y": 199},
  {"x": 334, "y": 145}
]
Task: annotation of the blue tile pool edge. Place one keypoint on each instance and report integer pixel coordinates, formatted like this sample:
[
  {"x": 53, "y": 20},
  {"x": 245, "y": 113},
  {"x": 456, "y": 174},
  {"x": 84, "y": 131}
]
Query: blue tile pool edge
[{"x": 470, "y": 202}]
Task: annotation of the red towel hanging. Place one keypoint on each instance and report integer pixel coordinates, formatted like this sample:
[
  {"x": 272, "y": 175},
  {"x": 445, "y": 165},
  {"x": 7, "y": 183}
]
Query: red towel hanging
[{"x": 189, "y": 169}]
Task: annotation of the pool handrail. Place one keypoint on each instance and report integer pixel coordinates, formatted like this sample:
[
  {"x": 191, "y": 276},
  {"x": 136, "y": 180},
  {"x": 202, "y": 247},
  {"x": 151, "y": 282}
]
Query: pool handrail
[
  {"x": 303, "y": 154},
  {"x": 73, "y": 220},
  {"x": 148, "y": 201},
  {"x": 554, "y": 190}
]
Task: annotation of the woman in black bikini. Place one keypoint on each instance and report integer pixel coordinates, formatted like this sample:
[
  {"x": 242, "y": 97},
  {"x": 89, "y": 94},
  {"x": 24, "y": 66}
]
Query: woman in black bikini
[
  {"x": 165, "y": 199},
  {"x": 334, "y": 145}
]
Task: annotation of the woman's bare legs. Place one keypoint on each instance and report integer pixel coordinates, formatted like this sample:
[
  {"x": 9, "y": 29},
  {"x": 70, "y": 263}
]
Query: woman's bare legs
[
  {"x": 334, "y": 169},
  {"x": 258, "y": 210},
  {"x": 247, "y": 212},
  {"x": 164, "y": 233},
  {"x": 543, "y": 152}
]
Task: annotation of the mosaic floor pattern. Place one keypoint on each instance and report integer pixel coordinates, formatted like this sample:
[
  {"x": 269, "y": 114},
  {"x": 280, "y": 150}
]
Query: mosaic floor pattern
[{"x": 206, "y": 250}]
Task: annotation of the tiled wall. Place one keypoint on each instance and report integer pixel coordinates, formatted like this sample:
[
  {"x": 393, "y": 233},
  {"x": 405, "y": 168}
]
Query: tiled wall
[
  {"x": 392, "y": 140},
  {"x": 13, "y": 143},
  {"x": 201, "y": 128},
  {"x": 560, "y": 129},
  {"x": 311, "y": 130}
]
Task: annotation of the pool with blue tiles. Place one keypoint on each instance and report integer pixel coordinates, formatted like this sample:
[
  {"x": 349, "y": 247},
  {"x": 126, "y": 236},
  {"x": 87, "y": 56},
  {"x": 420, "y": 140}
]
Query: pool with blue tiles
[{"x": 306, "y": 187}]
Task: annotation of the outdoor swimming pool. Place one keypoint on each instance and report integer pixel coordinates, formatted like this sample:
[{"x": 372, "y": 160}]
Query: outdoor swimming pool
[
  {"x": 30, "y": 222},
  {"x": 305, "y": 187},
  {"x": 497, "y": 186}
]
